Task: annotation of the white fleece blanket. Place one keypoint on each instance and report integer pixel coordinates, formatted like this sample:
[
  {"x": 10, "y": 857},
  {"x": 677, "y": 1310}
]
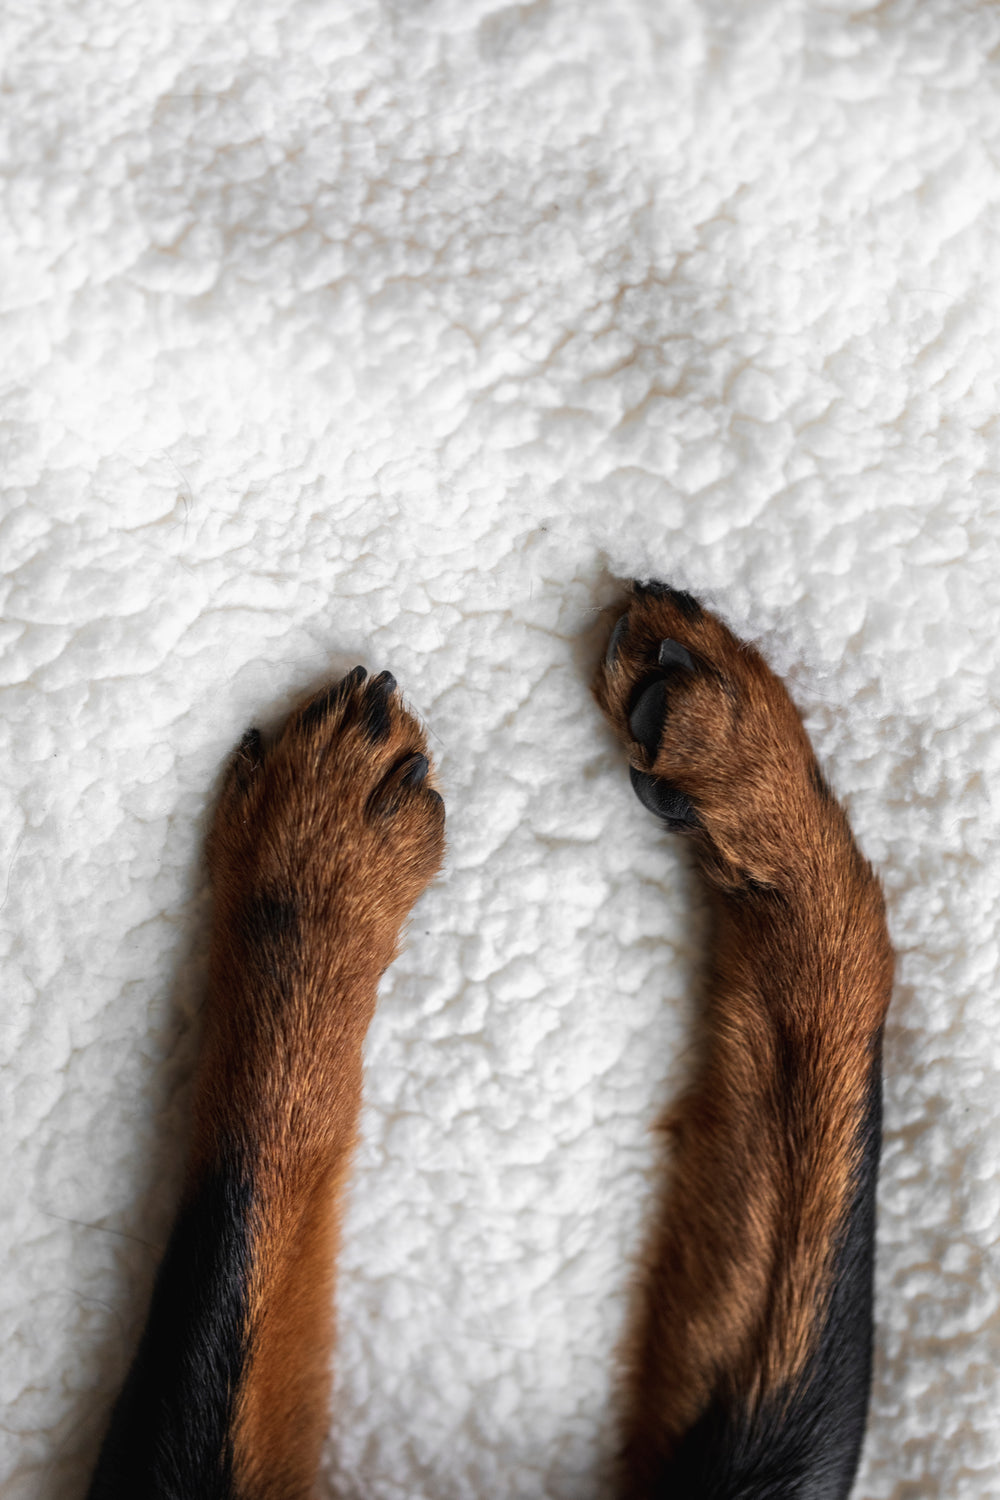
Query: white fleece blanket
[{"x": 393, "y": 331}]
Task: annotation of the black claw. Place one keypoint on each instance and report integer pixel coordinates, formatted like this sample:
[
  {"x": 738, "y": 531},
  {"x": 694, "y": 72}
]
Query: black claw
[
  {"x": 251, "y": 748},
  {"x": 408, "y": 775},
  {"x": 686, "y": 603},
  {"x": 669, "y": 804},
  {"x": 614, "y": 644},
  {"x": 247, "y": 759},
  {"x": 414, "y": 770},
  {"x": 321, "y": 708},
  {"x": 673, "y": 654},
  {"x": 648, "y": 717},
  {"x": 376, "y": 722}
]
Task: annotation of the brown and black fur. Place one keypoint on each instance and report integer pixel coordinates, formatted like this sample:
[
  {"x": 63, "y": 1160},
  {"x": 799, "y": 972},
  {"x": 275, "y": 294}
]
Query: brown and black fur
[
  {"x": 321, "y": 845},
  {"x": 749, "y": 1357},
  {"x": 750, "y": 1350}
]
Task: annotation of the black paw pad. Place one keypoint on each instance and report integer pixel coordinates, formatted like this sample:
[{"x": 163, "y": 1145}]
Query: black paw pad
[
  {"x": 671, "y": 806},
  {"x": 648, "y": 717},
  {"x": 651, "y": 702},
  {"x": 375, "y": 721},
  {"x": 322, "y": 707},
  {"x": 673, "y": 654}
]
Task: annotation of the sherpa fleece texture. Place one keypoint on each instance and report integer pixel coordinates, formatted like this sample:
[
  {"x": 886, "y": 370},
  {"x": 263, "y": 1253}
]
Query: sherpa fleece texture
[{"x": 393, "y": 332}]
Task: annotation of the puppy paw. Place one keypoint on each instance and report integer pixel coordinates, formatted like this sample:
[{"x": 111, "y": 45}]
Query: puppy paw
[
  {"x": 336, "y": 827},
  {"x": 716, "y": 748}
]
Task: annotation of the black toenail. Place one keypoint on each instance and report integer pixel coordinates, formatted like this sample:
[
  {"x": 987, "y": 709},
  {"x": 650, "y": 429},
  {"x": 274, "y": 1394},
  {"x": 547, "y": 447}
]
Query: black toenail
[
  {"x": 321, "y": 707},
  {"x": 414, "y": 772},
  {"x": 647, "y": 719},
  {"x": 673, "y": 654},
  {"x": 617, "y": 636},
  {"x": 669, "y": 804},
  {"x": 686, "y": 603},
  {"x": 651, "y": 586},
  {"x": 246, "y": 760},
  {"x": 252, "y": 747},
  {"x": 376, "y": 722}
]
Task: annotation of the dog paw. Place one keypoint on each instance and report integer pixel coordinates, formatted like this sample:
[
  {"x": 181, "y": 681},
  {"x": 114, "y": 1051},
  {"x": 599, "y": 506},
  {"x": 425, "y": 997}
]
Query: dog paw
[
  {"x": 338, "y": 820},
  {"x": 716, "y": 748}
]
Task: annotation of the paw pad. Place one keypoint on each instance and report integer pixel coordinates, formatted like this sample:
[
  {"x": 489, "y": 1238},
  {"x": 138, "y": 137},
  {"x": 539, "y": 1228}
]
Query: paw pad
[
  {"x": 641, "y": 675},
  {"x": 668, "y": 802},
  {"x": 649, "y": 712},
  {"x": 673, "y": 654},
  {"x": 647, "y": 719}
]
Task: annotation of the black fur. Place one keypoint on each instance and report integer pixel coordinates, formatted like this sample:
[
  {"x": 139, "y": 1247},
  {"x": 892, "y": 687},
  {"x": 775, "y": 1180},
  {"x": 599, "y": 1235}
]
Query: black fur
[
  {"x": 170, "y": 1432},
  {"x": 269, "y": 928}
]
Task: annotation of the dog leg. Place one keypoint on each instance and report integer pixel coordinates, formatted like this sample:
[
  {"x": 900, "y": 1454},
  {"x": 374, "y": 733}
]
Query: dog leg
[
  {"x": 750, "y": 1355},
  {"x": 321, "y": 845}
]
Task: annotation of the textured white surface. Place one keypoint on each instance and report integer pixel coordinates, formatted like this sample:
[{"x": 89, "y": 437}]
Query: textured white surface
[{"x": 390, "y": 332}]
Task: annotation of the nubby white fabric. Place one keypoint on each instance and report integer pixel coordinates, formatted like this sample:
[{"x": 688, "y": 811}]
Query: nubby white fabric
[{"x": 394, "y": 332}]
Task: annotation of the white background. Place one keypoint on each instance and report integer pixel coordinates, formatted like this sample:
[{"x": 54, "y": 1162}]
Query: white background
[{"x": 392, "y": 333}]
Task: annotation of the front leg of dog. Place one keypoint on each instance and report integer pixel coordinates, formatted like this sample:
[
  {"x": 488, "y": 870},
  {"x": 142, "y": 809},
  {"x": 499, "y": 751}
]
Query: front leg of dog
[
  {"x": 320, "y": 847},
  {"x": 750, "y": 1349}
]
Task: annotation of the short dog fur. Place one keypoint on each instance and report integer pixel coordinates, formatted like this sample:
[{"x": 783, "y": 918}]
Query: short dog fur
[{"x": 748, "y": 1361}]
